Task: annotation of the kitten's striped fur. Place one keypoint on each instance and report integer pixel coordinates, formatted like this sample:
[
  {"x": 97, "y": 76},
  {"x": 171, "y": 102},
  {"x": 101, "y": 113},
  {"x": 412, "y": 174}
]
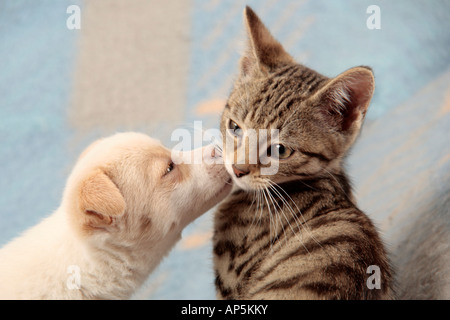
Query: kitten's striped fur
[{"x": 297, "y": 234}]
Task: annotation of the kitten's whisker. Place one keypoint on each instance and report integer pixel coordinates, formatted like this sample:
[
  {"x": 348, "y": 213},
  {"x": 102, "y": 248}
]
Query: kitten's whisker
[
  {"x": 261, "y": 207},
  {"x": 277, "y": 213},
  {"x": 304, "y": 224},
  {"x": 288, "y": 205},
  {"x": 298, "y": 209},
  {"x": 254, "y": 215},
  {"x": 230, "y": 183},
  {"x": 339, "y": 184},
  {"x": 270, "y": 217},
  {"x": 307, "y": 184},
  {"x": 258, "y": 209},
  {"x": 282, "y": 212},
  {"x": 298, "y": 234}
]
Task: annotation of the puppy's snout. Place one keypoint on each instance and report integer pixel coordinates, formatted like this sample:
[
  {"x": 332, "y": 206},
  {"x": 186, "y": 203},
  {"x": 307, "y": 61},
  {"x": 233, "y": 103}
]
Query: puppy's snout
[
  {"x": 212, "y": 152},
  {"x": 216, "y": 152}
]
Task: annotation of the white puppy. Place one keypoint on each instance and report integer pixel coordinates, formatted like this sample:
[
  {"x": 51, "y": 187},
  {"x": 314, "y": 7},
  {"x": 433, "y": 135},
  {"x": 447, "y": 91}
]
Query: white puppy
[{"x": 123, "y": 209}]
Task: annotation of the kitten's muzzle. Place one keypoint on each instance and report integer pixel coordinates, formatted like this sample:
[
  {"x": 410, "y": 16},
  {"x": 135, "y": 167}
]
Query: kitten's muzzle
[{"x": 240, "y": 170}]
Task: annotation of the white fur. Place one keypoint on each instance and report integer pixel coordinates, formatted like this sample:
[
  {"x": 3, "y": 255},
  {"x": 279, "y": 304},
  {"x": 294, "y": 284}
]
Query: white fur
[{"x": 117, "y": 258}]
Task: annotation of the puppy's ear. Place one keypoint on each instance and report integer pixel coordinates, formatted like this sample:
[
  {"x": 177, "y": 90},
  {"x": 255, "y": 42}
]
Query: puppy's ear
[{"x": 99, "y": 200}]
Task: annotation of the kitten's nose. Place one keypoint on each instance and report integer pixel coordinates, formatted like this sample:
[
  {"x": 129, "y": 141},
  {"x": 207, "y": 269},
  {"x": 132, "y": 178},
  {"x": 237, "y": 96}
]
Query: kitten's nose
[{"x": 240, "y": 170}]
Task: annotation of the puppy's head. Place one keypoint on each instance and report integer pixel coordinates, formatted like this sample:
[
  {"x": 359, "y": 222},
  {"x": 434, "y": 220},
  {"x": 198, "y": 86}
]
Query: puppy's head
[{"x": 128, "y": 188}]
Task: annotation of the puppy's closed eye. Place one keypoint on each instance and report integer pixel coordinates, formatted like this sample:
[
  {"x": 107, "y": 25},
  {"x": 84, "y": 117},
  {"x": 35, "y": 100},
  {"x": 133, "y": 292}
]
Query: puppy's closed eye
[
  {"x": 170, "y": 176},
  {"x": 174, "y": 173},
  {"x": 170, "y": 167}
]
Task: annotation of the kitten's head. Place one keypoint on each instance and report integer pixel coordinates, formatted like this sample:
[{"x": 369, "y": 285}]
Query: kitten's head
[{"x": 314, "y": 119}]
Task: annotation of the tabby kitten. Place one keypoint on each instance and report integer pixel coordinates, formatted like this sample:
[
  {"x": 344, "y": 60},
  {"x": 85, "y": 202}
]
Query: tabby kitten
[{"x": 296, "y": 234}]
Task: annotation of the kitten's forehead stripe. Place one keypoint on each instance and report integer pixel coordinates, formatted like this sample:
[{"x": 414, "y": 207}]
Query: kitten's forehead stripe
[
  {"x": 289, "y": 85},
  {"x": 283, "y": 70}
]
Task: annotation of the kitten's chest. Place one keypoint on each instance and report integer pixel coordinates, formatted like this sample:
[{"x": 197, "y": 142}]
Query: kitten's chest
[{"x": 248, "y": 242}]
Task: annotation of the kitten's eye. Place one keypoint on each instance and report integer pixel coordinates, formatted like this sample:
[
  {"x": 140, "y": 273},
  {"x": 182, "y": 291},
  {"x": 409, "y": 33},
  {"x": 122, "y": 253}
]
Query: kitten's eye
[
  {"x": 279, "y": 151},
  {"x": 235, "y": 129}
]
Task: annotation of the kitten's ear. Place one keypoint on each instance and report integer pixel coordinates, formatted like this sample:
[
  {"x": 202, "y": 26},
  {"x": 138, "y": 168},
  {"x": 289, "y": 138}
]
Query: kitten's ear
[
  {"x": 263, "y": 52},
  {"x": 344, "y": 100},
  {"x": 99, "y": 200}
]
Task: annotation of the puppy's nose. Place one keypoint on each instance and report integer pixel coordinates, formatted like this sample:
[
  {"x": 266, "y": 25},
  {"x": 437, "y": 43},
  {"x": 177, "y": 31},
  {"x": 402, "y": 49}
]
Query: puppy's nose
[
  {"x": 240, "y": 170},
  {"x": 215, "y": 152}
]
